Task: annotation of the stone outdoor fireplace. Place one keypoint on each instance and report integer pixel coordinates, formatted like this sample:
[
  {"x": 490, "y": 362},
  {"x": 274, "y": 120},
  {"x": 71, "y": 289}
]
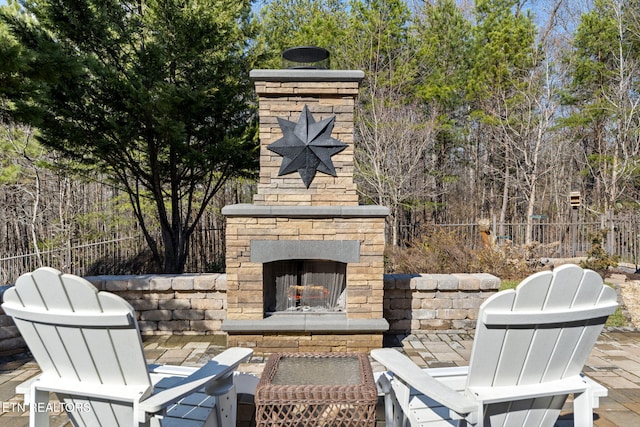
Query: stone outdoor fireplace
[{"x": 305, "y": 260}]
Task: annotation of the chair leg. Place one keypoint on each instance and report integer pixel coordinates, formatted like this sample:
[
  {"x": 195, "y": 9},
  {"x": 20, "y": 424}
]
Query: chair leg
[
  {"x": 38, "y": 415},
  {"x": 583, "y": 409},
  {"x": 391, "y": 408},
  {"x": 226, "y": 402},
  {"x": 227, "y": 408}
]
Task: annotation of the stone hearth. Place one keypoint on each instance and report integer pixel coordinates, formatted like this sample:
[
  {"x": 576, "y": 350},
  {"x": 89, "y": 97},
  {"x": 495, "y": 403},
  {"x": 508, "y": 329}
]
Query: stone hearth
[{"x": 305, "y": 213}]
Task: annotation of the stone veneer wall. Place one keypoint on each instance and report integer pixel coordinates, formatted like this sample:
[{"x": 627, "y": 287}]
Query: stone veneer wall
[
  {"x": 283, "y": 94},
  {"x": 365, "y": 293},
  {"x": 197, "y": 303},
  {"x": 435, "y": 301},
  {"x": 184, "y": 304}
]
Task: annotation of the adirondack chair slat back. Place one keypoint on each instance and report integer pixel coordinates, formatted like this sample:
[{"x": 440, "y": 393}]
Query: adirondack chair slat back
[
  {"x": 568, "y": 308},
  {"x": 59, "y": 318}
]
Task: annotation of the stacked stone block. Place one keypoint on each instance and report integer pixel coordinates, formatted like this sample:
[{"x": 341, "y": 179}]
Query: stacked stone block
[
  {"x": 269, "y": 342},
  {"x": 364, "y": 299},
  {"x": 196, "y": 304},
  {"x": 186, "y": 304},
  {"x": 431, "y": 302},
  {"x": 283, "y": 94},
  {"x": 11, "y": 341}
]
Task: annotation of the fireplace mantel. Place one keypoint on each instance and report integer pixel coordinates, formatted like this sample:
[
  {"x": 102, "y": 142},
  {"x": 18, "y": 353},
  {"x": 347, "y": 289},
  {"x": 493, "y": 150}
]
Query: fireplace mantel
[
  {"x": 265, "y": 211},
  {"x": 334, "y": 250},
  {"x": 310, "y": 323}
]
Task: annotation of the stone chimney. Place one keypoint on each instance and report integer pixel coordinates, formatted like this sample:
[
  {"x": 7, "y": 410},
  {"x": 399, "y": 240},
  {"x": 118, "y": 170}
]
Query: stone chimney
[{"x": 305, "y": 261}]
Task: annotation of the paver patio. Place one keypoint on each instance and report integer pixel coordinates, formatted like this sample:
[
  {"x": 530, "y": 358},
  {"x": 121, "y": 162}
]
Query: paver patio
[{"x": 614, "y": 362}]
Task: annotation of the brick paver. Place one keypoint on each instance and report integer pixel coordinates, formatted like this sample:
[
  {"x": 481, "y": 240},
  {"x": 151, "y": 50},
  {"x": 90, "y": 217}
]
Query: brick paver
[{"x": 614, "y": 362}]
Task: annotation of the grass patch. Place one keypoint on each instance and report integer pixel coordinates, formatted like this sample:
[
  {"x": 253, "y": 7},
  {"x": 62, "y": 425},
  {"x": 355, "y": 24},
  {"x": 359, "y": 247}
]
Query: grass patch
[
  {"x": 617, "y": 319},
  {"x": 509, "y": 284}
]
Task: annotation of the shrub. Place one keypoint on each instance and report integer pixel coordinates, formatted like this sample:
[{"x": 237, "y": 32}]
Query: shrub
[
  {"x": 443, "y": 251},
  {"x": 505, "y": 261},
  {"x": 598, "y": 259}
]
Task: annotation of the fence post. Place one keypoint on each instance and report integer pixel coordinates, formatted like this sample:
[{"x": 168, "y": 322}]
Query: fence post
[
  {"x": 484, "y": 227},
  {"x": 574, "y": 231},
  {"x": 611, "y": 233}
]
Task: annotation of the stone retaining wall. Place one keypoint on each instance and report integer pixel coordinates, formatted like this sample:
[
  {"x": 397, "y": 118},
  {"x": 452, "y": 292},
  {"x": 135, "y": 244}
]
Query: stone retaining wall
[
  {"x": 435, "y": 301},
  {"x": 10, "y": 340},
  {"x": 195, "y": 304},
  {"x": 185, "y": 304}
]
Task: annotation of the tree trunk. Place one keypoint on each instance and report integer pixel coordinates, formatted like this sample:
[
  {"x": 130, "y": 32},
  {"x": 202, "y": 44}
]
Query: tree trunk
[
  {"x": 530, "y": 207},
  {"x": 34, "y": 216},
  {"x": 394, "y": 226},
  {"x": 505, "y": 198},
  {"x": 176, "y": 251}
]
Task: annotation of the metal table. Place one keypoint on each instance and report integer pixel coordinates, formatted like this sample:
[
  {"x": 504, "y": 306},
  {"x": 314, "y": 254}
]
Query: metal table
[{"x": 316, "y": 389}]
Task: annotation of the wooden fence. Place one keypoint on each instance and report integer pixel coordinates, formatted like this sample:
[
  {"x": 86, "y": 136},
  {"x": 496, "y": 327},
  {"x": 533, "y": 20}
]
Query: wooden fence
[
  {"x": 623, "y": 237},
  {"x": 127, "y": 254},
  {"x": 116, "y": 256},
  {"x": 556, "y": 240}
]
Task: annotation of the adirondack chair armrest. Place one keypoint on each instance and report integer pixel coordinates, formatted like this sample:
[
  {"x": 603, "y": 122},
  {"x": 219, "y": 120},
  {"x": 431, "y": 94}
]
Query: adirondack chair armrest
[
  {"x": 173, "y": 370},
  {"x": 217, "y": 369},
  {"x": 112, "y": 392},
  {"x": 496, "y": 394},
  {"x": 408, "y": 372}
]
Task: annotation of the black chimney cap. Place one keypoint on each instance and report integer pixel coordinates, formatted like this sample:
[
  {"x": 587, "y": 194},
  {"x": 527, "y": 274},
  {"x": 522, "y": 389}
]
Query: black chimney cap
[{"x": 311, "y": 57}]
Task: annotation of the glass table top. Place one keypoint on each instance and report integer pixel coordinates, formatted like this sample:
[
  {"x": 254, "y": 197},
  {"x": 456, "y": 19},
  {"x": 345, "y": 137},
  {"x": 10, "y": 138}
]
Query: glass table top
[{"x": 318, "y": 371}]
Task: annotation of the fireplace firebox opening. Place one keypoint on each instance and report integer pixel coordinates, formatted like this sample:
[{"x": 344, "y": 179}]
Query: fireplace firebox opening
[{"x": 304, "y": 286}]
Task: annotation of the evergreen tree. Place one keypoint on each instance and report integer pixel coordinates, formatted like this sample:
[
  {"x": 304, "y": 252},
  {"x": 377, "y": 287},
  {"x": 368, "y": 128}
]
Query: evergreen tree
[
  {"x": 444, "y": 53},
  {"x": 443, "y": 71},
  {"x": 289, "y": 23},
  {"x": 604, "y": 90},
  {"x": 504, "y": 54},
  {"x": 153, "y": 93}
]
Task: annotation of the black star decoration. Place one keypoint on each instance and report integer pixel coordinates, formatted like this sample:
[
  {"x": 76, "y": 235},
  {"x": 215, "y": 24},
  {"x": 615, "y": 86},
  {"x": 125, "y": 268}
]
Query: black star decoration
[{"x": 307, "y": 146}]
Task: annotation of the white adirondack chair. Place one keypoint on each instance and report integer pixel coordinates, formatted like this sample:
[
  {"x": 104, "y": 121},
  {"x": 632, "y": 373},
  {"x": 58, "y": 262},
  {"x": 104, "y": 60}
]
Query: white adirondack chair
[
  {"x": 88, "y": 346},
  {"x": 529, "y": 348}
]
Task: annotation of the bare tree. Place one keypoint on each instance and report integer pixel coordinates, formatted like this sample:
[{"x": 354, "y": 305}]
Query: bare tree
[
  {"x": 528, "y": 126},
  {"x": 23, "y": 175},
  {"x": 391, "y": 153}
]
